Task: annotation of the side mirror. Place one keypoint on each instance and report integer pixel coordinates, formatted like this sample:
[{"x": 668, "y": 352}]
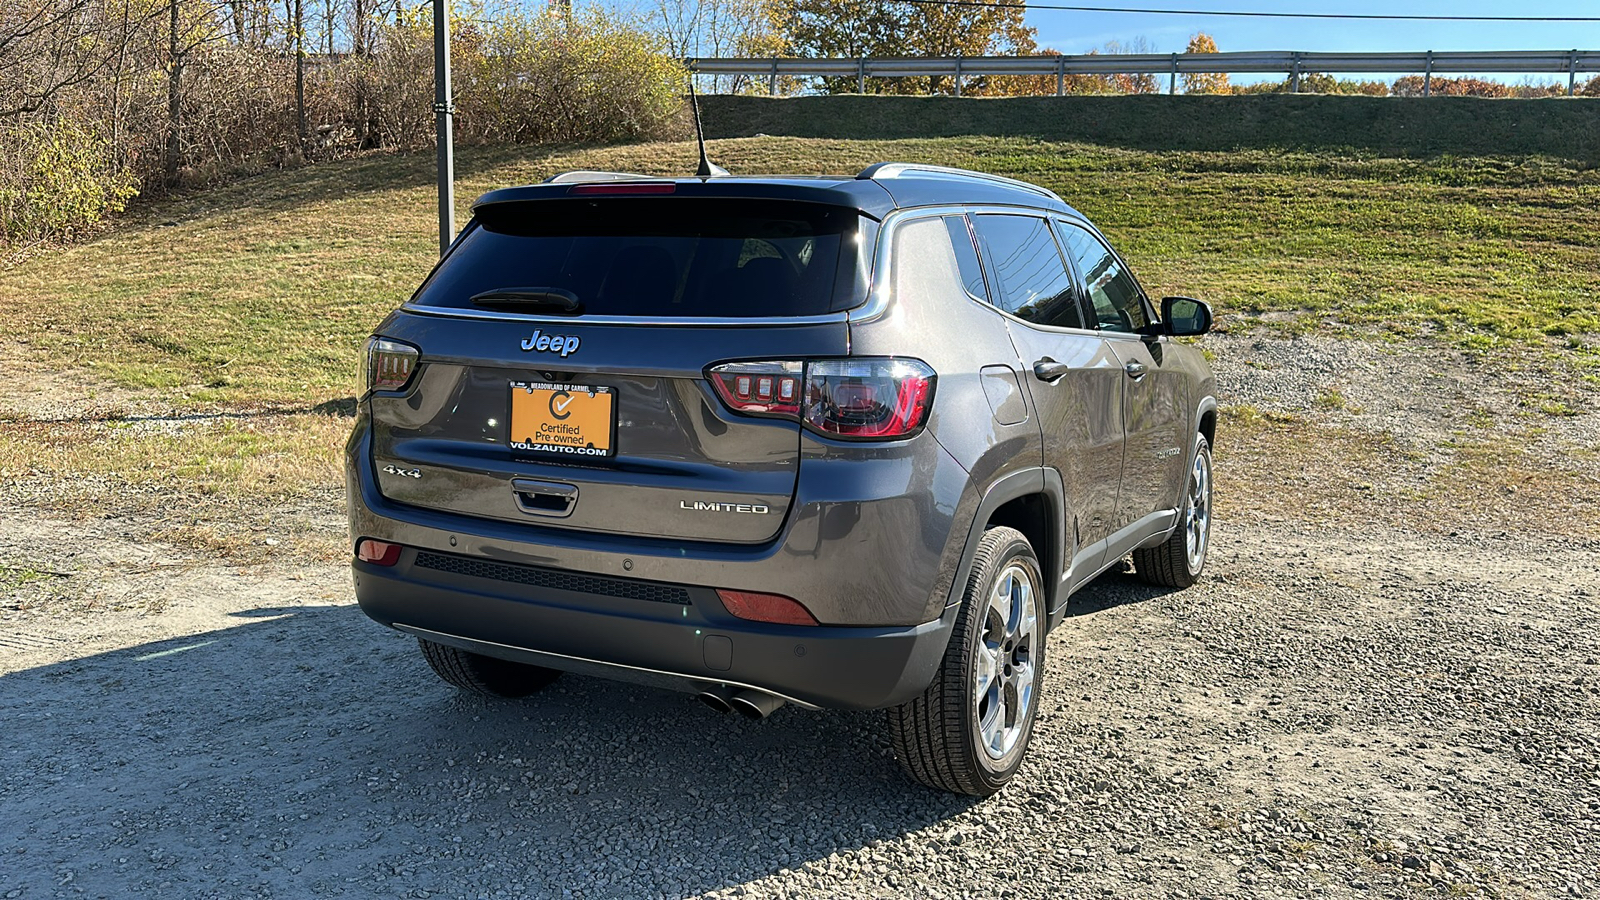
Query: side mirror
[{"x": 1184, "y": 316}]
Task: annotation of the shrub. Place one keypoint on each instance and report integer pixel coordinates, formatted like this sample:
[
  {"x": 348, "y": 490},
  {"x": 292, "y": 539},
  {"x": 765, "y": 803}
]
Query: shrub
[
  {"x": 57, "y": 177},
  {"x": 544, "y": 78},
  {"x": 1315, "y": 83},
  {"x": 524, "y": 78}
]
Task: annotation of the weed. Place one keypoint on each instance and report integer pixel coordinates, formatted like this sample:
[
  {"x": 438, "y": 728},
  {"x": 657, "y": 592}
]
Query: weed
[
  {"x": 13, "y": 576},
  {"x": 1331, "y": 397}
]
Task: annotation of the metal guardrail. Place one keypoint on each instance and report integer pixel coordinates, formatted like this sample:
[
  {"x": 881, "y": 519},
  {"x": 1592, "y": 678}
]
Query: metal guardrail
[{"x": 1293, "y": 64}]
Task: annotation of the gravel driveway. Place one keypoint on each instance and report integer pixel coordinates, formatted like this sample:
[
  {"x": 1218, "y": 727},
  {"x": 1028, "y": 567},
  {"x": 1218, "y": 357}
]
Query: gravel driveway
[{"x": 1346, "y": 714}]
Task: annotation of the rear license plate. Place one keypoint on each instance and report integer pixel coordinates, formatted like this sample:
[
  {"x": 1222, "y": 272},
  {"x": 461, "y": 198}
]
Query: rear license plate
[{"x": 566, "y": 419}]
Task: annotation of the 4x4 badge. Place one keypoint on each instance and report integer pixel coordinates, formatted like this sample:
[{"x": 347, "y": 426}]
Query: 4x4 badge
[{"x": 550, "y": 343}]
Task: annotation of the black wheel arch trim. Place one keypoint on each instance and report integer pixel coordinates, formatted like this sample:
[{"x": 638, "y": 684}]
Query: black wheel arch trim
[
  {"x": 1208, "y": 404},
  {"x": 1028, "y": 482}
]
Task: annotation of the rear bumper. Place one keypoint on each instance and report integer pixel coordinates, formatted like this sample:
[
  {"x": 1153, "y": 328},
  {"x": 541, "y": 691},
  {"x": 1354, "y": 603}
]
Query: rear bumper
[
  {"x": 674, "y": 635},
  {"x": 870, "y": 540}
]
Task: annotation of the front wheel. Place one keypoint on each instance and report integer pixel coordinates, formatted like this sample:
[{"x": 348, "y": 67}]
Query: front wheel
[
  {"x": 969, "y": 730},
  {"x": 1177, "y": 561}
]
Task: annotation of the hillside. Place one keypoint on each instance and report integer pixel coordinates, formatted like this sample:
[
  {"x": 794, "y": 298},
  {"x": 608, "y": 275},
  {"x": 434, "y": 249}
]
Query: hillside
[
  {"x": 262, "y": 291},
  {"x": 1366, "y": 126}
]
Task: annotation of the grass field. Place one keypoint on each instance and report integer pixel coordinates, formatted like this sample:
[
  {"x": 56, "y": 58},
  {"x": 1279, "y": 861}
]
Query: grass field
[
  {"x": 247, "y": 306},
  {"x": 262, "y": 292}
]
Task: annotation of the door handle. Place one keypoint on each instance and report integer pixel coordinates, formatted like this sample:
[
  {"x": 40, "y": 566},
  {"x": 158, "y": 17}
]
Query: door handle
[
  {"x": 1135, "y": 370},
  {"x": 1048, "y": 370}
]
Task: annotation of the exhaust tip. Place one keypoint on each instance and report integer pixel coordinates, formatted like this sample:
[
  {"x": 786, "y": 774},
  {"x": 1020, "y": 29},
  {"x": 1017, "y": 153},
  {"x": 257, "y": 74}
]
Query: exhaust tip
[
  {"x": 717, "y": 698},
  {"x": 755, "y": 704}
]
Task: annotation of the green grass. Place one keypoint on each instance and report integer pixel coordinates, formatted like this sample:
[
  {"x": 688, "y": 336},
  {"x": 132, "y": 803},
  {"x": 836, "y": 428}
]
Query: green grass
[
  {"x": 15, "y": 576},
  {"x": 261, "y": 293}
]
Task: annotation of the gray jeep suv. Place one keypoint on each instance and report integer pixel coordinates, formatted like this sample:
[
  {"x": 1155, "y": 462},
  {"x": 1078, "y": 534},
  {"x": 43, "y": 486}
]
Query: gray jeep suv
[{"x": 844, "y": 442}]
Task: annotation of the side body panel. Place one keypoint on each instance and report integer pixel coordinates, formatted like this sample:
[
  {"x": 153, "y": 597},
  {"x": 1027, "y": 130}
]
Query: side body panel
[
  {"x": 927, "y": 315},
  {"x": 1081, "y": 416}
]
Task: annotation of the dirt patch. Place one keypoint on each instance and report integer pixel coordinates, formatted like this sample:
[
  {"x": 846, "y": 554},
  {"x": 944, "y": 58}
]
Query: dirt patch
[{"x": 1326, "y": 430}]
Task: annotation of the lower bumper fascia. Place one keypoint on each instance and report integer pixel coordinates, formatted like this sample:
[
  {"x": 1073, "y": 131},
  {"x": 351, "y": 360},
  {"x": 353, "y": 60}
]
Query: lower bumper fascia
[{"x": 684, "y": 647}]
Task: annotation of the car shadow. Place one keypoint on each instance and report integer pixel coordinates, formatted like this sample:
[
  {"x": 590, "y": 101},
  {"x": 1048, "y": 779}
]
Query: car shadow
[
  {"x": 1117, "y": 586},
  {"x": 308, "y": 750}
]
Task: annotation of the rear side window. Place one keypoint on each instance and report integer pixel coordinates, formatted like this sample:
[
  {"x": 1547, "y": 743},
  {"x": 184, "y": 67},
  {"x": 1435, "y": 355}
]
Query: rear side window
[
  {"x": 657, "y": 257},
  {"x": 1118, "y": 305},
  {"x": 1032, "y": 279},
  {"x": 967, "y": 257}
]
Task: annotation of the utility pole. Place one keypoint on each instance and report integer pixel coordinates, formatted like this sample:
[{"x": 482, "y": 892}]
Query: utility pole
[{"x": 443, "y": 111}]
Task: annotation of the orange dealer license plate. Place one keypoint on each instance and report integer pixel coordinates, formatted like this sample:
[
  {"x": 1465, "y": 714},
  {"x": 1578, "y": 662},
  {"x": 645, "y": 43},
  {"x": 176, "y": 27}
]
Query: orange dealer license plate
[{"x": 564, "y": 419}]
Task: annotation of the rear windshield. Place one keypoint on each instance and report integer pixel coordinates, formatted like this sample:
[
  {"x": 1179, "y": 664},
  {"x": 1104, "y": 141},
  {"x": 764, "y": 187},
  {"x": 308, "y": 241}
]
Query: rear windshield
[{"x": 657, "y": 257}]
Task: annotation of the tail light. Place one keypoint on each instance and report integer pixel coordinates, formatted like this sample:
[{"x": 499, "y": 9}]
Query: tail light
[
  {"x": 389, "y": 365},
  {"x": 867, "y": 399},
  {"x": 760, "y": 388},
  {"x": 856, "y": 399}
]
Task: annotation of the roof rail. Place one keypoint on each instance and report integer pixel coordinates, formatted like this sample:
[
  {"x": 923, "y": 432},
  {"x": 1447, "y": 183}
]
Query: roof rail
[
  {"x": 897, "y": 169},
  {"x": 585, "y": 176}
]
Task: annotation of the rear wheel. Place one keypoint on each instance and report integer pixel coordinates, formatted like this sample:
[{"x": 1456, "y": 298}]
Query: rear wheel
[
  {"x": 969, "y": 730},
  {"x": 485, "y": 675},
  {"x": 1177, "y": 561}
]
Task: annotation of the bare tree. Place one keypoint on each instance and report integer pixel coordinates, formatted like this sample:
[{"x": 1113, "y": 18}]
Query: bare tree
[
  {"x": 176, "y": 58},
  {"x": 300, "y": 72},
  {"x": 47, "y": 47},
  {"x": 721, "y": 28}
]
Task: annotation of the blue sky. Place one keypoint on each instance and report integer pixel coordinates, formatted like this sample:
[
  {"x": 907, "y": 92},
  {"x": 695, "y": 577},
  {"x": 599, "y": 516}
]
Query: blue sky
[{"x": 1080, "y": 32}]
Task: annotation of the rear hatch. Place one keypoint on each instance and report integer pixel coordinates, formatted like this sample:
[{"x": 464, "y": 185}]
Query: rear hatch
[{"x": 564, "y": 344}]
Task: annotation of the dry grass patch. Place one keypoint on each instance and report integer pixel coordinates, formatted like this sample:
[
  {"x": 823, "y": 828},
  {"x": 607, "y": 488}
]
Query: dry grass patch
[
  {"x": 264, "y": 456},
  {"x": 244, "y": 485}
]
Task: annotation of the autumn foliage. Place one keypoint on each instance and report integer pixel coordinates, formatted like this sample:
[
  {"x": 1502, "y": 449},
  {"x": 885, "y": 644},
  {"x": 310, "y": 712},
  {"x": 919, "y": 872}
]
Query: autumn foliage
[
  {"x": 102, "y": 100},
  {"x": 1204, "y": 82}
]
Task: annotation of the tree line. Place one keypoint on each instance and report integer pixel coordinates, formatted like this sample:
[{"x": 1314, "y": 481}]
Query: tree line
[{"x": 103, "y": 100}]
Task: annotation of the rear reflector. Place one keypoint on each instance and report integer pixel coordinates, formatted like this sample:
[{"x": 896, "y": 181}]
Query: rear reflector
[
  {"x": 766, "y": 608},
  {"x": 621, "y": 188},
  {"x": 379, "y": 553}
]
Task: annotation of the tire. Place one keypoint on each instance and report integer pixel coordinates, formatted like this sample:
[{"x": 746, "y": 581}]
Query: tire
[
  {"x": 485, "y": 675},
  {"x": 1178, "y": 561},
  {"x": 966, "y": 738}
]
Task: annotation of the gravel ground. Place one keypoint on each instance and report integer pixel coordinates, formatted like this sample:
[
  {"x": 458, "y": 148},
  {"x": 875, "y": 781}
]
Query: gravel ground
[
  {"x": 1424, "y": 395},
  {"x": 1344, "y": 711},
  {"x": 1358, "y": 714}
]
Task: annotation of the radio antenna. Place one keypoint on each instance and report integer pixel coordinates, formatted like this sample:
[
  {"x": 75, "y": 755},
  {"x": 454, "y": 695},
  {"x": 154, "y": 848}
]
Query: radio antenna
[{"x": 708, "y": 169}]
